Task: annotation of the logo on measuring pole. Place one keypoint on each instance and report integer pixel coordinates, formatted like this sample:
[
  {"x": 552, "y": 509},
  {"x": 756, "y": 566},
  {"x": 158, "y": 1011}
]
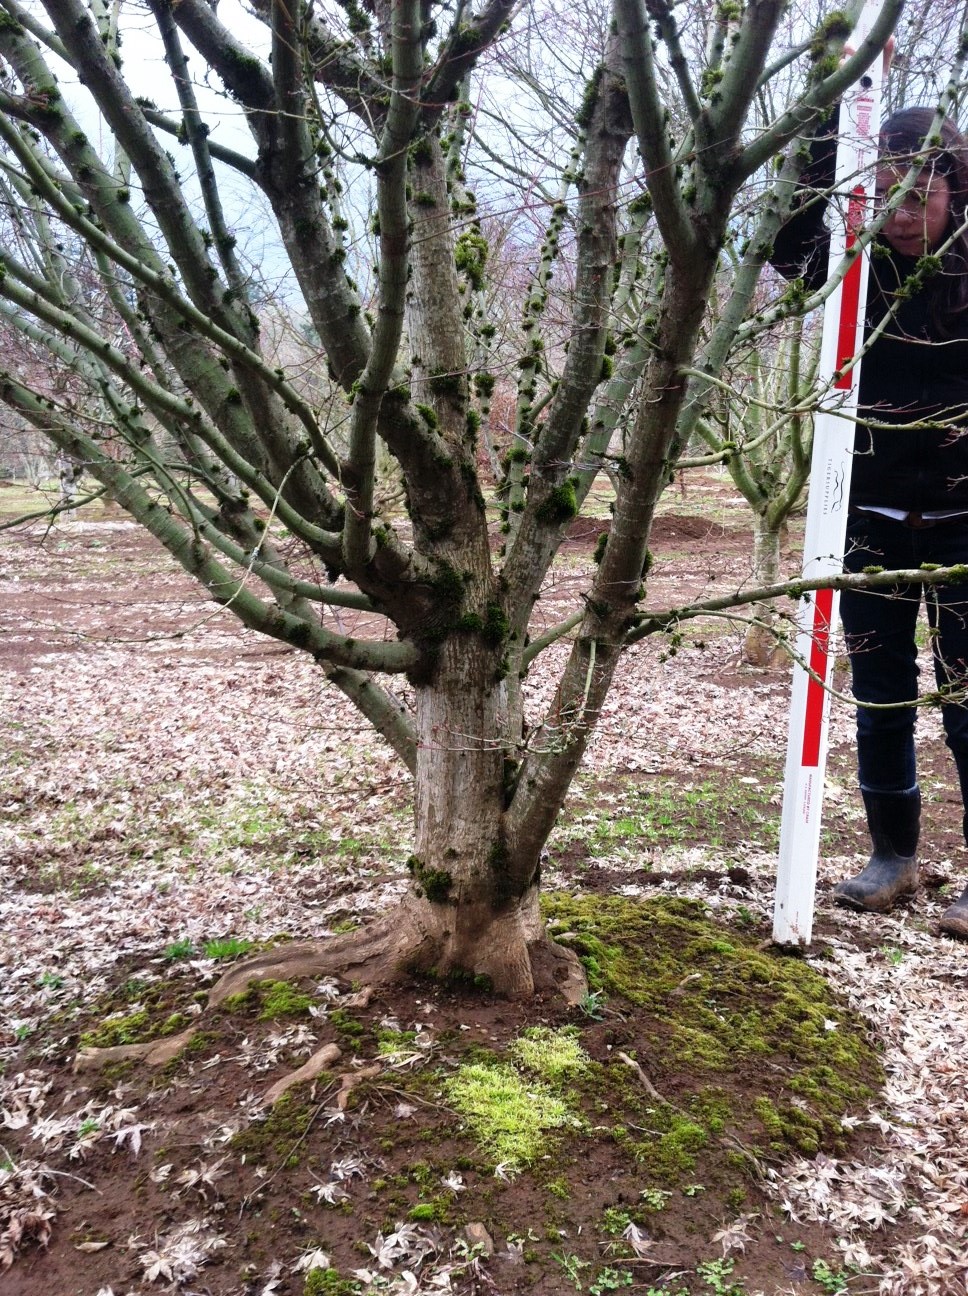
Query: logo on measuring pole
[
  {"x": 833, "y": 488},
  {"x": 865, "y": 106}
]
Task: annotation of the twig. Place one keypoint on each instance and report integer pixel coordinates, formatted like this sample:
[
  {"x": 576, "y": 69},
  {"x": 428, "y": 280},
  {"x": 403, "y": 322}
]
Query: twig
[{"x": 646, "y": 1082}]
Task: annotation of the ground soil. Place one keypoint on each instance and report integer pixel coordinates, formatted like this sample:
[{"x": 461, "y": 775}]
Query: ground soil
[
  {"x": 101, "y": 585},
  {"x": 401, "y": 1145}
]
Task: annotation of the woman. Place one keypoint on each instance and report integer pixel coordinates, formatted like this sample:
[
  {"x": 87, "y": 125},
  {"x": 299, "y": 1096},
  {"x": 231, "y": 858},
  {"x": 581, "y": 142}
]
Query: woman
[{"x": 909, "y": 488}]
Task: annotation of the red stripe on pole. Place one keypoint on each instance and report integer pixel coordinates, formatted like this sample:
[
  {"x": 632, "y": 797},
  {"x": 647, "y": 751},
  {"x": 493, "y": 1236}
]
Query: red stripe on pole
[
  {"x": 850, "y": 295},
  {"x": 820, "y": 643}
]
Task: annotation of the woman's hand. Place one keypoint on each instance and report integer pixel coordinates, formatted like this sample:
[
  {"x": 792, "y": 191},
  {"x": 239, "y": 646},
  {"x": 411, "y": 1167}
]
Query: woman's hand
[{"x": 888, "y": 55}]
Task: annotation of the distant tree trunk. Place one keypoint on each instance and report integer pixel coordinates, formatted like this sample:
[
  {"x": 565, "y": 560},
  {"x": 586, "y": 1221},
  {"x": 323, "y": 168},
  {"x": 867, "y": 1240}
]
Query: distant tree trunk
[
  {"x": 69, "y": 473},
  {"x": 761, "y": 644}
]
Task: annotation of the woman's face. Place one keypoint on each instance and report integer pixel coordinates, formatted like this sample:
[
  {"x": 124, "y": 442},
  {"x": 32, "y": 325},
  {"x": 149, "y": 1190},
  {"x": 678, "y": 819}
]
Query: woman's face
[{"x": 920, "y": 223}]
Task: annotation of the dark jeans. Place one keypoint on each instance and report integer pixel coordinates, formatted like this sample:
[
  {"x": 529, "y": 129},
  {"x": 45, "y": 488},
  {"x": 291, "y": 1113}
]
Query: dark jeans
[{"x": 879, "y": 626}]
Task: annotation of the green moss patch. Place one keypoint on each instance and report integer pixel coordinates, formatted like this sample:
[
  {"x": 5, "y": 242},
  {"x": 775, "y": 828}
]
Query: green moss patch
[
  {"x": 139, "y": 1011},
  {"x": 328, "y": 1282},
  {"x": 509, "y": 1115},
  {"x": 276, "y": 1139},
  {"x": 270, "y": 1001},
  {"x": 555, "y": 1055},
  {"x": 726, "y": 1017}
]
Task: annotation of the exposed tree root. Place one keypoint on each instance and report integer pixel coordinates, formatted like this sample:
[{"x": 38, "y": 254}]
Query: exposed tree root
[
  {"x": 351, "y": 1079},
  {"x": 369, "y": 956},
  {"x": 319, "y": 1061},
  {"x": 644, "y": 1080},
  {"x": 508, "y": 952},
  {"x": 154, "y": 1053}
]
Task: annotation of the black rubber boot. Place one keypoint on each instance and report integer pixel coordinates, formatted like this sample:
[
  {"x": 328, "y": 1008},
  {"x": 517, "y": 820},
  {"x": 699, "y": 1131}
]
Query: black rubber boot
[
  {"x": 894, "y": 819},
  {"x": 954, "y": 920}
]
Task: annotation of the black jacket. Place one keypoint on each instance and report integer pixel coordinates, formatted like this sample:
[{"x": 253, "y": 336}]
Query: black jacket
[{"x": 916, "y": 372}]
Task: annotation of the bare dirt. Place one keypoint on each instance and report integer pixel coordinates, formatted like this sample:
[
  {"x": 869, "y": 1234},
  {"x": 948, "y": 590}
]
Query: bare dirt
[
  {"x": 136, "y": 719},
  {"x": 397, "y": 1157}
]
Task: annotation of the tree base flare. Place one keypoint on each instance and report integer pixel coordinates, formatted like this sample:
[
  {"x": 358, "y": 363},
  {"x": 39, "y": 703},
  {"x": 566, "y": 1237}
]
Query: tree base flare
[
  {"x": 507, "y": 953},
  {"x": 763, "y": 646}
]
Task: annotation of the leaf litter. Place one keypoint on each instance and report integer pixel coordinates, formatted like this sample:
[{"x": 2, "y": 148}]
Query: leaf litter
[{"x": 182, "y": 784}]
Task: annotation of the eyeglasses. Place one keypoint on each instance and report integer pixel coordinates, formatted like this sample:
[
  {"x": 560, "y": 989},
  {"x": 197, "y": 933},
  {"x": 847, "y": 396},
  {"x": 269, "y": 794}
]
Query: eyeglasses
[{"x": 932, "y": 188}]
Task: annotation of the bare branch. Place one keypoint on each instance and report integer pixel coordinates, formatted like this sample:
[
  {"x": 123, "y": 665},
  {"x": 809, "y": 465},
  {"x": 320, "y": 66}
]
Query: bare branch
[{"x": 652, "y": 127}]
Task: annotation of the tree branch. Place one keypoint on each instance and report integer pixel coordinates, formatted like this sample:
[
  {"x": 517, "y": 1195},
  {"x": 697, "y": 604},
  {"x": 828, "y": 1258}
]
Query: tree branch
[
  {"x": 719, "y": 127},
  {"x": 659, "y": 622},
  {"x": 664, "y": 19},
  {"x": 46, "y": 37},
  {"x": 466, "y": 42},
  {"x": 290, "y": 181},
  {"x": 391, "y": 173},
  {"x": 197, "y": 134},
  {"x": 651, "y": 120},
  {"x": 229, "y": 157},
  {"x": 145, "y": 268},
  {"x": 552, "y": 636},
  {"x": 160, "y": 186},
  {"x": 387, "y": 715},
  {"x": 608, "y": 133},
  {"x": 820, "y": 96},
  {"x": 224, "y": 587}
]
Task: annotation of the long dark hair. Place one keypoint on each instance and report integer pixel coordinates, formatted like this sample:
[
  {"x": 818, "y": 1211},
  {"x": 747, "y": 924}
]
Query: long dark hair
[{"x": 907, "y": 136}]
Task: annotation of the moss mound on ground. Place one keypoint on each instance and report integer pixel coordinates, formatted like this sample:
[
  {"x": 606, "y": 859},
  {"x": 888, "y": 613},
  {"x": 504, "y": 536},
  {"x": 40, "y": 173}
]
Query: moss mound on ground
[
  {"x": 510, "y": 1115},
  {"x": 726, "y": 1017},
  {"x": 700, "y": 1057}
]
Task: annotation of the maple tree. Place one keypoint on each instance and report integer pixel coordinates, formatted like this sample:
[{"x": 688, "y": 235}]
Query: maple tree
[{"x": 265, "y": 486}]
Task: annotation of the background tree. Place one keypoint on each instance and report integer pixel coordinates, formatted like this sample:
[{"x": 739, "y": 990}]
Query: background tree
[
  {"x": 267, "y": 496},
  {"x": 760, "y": 428}
]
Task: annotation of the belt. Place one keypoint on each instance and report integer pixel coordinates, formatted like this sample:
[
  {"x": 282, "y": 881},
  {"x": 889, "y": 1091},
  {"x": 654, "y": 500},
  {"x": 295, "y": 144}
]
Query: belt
[
  {"x": 918, "y": 522},
  {"x": 913, "y": 521}
]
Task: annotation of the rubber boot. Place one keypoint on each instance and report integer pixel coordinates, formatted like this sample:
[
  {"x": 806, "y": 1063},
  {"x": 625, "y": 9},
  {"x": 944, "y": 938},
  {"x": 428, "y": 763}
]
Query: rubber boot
[
  {"x": 894, "y": 820},
  {"x": 954, "y": 920}
]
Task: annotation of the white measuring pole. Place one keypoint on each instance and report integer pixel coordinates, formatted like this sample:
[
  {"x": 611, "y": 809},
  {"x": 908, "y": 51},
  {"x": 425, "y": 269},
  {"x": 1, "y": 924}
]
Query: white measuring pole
[{"x": 826, "y": 525}]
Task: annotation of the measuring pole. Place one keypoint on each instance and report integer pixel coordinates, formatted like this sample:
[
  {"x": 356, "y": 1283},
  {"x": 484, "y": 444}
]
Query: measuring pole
[{"x": 826, "y": 526}]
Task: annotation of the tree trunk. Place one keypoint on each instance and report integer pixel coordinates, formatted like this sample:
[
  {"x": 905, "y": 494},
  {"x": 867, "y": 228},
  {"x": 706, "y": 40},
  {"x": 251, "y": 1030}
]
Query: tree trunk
[
  {"x": 462, "y": 916},
  {"x": 472, "y": 921},
  {"x": 69, "y": 473},
  {"x": 762, "y": 645}
]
